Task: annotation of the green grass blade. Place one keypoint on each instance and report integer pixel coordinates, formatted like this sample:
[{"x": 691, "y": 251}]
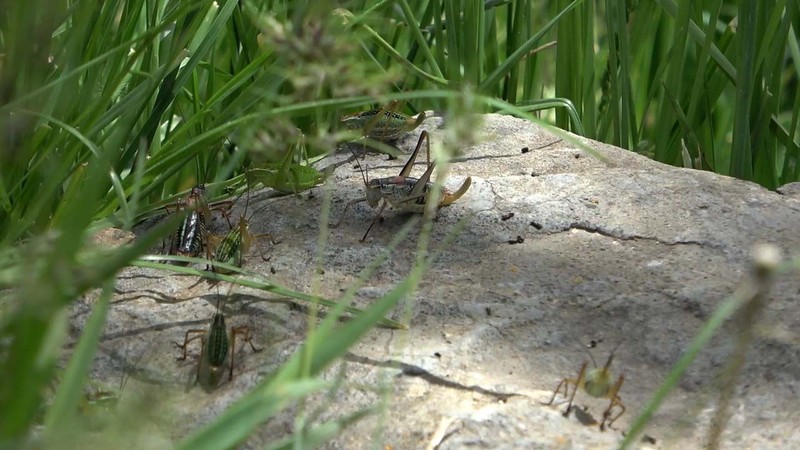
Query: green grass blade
[{"x": 62, "y": 412}]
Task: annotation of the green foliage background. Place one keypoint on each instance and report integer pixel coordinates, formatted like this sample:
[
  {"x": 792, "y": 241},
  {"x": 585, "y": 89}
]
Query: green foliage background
[{"x": 110, "y": 110}]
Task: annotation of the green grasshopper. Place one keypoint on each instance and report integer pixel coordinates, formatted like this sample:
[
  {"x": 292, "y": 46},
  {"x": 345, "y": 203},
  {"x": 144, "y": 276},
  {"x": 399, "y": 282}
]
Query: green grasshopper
[
  {"x": 403, "y": 192},
  {"x": 236, "y": 244},
  {"x": 216, "y": 342},
  {"x": 383, "y": 124},
  {"x": 289, "y": 176},
  {"x": 597, "y": 383}
]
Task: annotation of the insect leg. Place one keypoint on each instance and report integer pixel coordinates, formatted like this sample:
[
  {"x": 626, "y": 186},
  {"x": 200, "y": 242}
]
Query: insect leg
[
  {"x": 615, "y": 402},
  {"x": 350, "y": 203},
  {"x": 377, "y": 217},
  {"x": 451, "y": 198},
  {"x": 565, "y": 382},
  {"x": 247, "y": 336},
  {"x": 578, "y": 384},
  {"x": 191, "y": 335},
  {"x": 410, "y": 163},
  {"x": 419, "y": 188}
]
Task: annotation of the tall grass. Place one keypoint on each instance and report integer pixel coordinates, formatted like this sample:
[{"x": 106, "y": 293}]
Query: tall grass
[{"x": 110, "y": 110}]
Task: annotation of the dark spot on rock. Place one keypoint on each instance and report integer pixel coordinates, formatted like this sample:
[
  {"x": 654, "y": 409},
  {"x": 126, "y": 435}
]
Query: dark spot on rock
[
  {"x": 536, "y": 225},
  {"x": 437, "y": 354},
  {"x": 649, "y": 439},
  {"x": 518, "y": 240},
  {"x": 505, "y": 217},
  {"x": 525, "y": 149},
  {"x": 272, "y": 270}
]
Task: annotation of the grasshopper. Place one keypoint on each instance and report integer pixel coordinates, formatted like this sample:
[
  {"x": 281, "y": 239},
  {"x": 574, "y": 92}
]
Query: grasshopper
[
  {"x": 403, "y": 192},
  {"x": 382, "y": 124},
  {"x": 216, "y": 342},
  {"x": 597, "y": 383},
  {"x": 288, "y": 176},
  {"x": 190, "y": 237},
  {"x": 234, "y": 246}
]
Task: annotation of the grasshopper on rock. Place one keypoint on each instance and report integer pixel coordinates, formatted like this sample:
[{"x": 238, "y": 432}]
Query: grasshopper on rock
[
  {"x": 190, "y": 237},
  {"x": 383, "y": 124},
  {"x": 403, "y": 192},
  {"x": 216, "y": 342},
  {"x": 233, "y": 247},
  {"x": 597, "y": 383}
]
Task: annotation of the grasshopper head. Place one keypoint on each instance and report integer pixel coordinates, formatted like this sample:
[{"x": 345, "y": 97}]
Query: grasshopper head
[
  {"x": 373, "y": 187},
  {"x": 196, "y": 195},
  {"x": 198, "y": 190},
  {"x": 374, "y": 194},
  {"x": 353, "y": 121}
]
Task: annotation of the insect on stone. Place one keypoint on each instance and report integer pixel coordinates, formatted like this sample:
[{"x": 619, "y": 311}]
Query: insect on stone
[{"x": 405, "y": 193}]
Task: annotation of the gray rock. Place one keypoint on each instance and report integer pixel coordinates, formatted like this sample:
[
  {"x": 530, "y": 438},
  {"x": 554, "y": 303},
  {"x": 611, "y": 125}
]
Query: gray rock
[
  {"x": 790, "y": 189},
  {"x": 624, "y": 250}
]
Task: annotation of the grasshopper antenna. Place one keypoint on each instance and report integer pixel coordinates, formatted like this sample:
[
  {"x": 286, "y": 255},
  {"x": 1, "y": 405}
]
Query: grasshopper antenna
[
  {"x": 591, "y": 357},
  {"x": 361, "y": 169},
  {"x": 611, "y": 356}
]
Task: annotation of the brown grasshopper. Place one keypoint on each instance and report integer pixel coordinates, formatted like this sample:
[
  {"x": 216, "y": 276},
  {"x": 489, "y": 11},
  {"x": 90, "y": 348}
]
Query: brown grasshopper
[
  {"x": 404, "y": 192},
  {"x": 597, "y": 383},
  {"x": 215, "y": 343}
]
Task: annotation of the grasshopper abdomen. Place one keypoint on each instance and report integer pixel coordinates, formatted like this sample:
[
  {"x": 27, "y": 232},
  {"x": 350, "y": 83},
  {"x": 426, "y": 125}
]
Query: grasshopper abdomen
[
  {"x": 189, "y": 239},
  {"x": 217, "y": 342}
]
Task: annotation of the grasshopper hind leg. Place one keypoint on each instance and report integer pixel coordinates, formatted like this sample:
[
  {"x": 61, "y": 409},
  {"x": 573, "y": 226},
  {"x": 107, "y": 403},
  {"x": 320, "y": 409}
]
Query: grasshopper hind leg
[{"x": 452, "y": 198}]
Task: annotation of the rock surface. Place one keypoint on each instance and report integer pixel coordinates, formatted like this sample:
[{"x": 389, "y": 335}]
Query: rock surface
[{"x": 622, "y": 251}]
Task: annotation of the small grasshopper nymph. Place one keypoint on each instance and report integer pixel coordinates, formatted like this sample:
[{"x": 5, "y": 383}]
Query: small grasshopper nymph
[
  {"x": 597, "y": 383},
  {"x": 383, "y": 124},
  {"x": 216, "y": 342},
  {"x": 403, "y": 192}
]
